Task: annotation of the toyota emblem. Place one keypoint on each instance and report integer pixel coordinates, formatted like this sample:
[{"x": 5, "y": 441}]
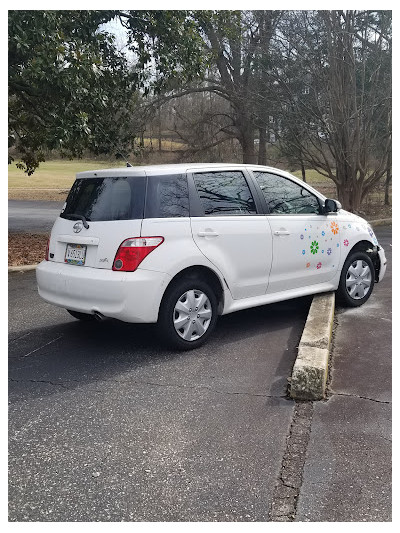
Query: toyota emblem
[{"x": 77, "y": 227}]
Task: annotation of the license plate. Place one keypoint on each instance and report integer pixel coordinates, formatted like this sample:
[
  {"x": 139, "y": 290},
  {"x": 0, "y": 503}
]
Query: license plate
[{"x": 75, "y": 254}]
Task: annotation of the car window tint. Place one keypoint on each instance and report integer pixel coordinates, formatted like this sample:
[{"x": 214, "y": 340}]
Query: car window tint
[
  {"x": 99, "y": 199},
  {"x": 224, "y": 193},
  {"x": 167, "y": 197},
  {"x": 284, "y": 196}
]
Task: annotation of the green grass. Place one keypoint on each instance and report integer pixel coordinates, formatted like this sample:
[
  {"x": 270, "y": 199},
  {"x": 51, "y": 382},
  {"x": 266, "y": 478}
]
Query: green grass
[
  {"x": 57, "y": 174},
  {"x": 312, "y": 176}
]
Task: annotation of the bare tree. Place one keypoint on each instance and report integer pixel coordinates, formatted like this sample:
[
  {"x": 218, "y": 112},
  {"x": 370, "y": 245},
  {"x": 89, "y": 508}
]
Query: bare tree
[{"x": 343, "y": 60}]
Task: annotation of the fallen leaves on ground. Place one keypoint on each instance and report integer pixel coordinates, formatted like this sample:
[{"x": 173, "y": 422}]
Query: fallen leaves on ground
[{"x": 26, "y": 248}]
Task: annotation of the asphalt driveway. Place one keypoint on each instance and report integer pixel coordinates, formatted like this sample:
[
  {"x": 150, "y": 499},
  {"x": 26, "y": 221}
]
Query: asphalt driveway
[{"x": 107, "y": 425}]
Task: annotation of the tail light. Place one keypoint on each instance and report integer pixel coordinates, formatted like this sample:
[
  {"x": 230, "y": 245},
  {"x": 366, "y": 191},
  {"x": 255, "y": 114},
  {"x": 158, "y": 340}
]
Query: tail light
[
  {"x": 46, "y": 257},
  {"x": 132, "y": 251}
]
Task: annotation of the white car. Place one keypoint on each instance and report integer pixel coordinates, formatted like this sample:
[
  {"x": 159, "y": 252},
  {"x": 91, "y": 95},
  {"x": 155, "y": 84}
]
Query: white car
[{"x": 182, "y": 244}]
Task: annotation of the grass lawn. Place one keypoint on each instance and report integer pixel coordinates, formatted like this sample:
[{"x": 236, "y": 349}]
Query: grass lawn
[
  {"x": 58, "y": 174},
  {"x": 312, "y": 177}
]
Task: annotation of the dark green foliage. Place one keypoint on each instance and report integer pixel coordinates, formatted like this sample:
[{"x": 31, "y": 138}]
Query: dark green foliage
[{"x": 67, "y": 85}]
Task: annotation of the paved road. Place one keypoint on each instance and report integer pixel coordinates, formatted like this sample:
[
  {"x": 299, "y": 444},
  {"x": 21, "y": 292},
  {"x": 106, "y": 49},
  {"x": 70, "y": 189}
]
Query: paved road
[
  {"x": 347, "y": 476},
  {"x": 32, "y": 216},
  {"x": 107, "y": 425}
]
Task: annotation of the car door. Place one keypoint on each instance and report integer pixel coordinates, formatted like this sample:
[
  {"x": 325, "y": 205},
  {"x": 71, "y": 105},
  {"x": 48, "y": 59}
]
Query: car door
[
  {"x": 229, "y": 230},
  {"x": 305, "y": 245}
]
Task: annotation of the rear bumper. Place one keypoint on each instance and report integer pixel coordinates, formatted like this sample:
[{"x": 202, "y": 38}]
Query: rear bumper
[{"x": 128, "y": 296}]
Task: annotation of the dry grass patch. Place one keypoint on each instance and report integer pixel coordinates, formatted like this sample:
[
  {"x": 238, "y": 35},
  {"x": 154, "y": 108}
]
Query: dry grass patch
[{"x": 26, "y": 248}]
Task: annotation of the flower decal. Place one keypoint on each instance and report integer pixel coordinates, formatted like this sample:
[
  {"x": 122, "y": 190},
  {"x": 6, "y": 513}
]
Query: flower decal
[
  {"x": 323, "y": 233},
  {"x": 329, "y": 251},
  {"x": 301, "y": 236},
  {"x": 319, "y": 266},
  {"x": 308, "y": 265},
  {"x": 334, "y": 228},
  {"x": 337, "y": 245},
  {"x": 346, "y": 242},
  {"x": 303, "y": 252},
  {"x": 314, "y": 247}
]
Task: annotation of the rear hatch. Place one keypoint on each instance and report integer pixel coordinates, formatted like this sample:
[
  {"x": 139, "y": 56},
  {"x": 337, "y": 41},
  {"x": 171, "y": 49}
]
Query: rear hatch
[{"x": 103, "y": 208}]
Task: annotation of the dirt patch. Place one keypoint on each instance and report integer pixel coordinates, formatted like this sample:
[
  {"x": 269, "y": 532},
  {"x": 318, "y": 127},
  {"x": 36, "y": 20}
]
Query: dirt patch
[
  {"x": 26, "y": 248},
  {"x": 56, "y": 195}
]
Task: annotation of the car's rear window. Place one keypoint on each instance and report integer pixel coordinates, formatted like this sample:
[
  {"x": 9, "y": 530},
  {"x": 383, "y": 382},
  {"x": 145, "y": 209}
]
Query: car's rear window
[{"x": 106, "y": 198}]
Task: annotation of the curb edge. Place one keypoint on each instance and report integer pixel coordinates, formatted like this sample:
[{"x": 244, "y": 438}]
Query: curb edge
[{"x": 310, "y": 370}]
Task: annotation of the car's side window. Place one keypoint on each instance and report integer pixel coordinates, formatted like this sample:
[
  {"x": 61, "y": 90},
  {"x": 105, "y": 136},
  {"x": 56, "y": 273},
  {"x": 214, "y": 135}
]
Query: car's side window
[
  {"x": 284, "y": 196},
  {"x": 224, "y": 193},
  {"x": 167, "y": 197}
]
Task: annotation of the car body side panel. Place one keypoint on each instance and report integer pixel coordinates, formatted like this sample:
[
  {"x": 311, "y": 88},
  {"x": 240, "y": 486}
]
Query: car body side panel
[{"x": 306, "y": 250}]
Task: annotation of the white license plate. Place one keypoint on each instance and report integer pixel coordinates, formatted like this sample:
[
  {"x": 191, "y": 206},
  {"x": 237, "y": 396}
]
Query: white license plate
[{"x": 75, "y": 254}]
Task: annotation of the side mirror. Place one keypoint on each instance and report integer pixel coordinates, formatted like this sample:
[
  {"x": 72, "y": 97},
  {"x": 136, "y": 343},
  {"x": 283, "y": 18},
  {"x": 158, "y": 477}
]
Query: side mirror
[{"x": 331, "y": 206}]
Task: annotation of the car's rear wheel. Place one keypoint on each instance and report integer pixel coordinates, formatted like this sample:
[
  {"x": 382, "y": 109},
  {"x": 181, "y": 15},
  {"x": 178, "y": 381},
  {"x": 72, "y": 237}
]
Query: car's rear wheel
[
  {"x": 81, "y": 316},
  {"x": 357, "y": 279},
  {"x": 188, "y": 314}
]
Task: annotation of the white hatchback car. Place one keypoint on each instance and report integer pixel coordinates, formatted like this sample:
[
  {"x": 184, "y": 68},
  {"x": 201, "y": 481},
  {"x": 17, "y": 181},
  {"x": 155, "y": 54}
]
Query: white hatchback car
[{"x": 182, "y": 244}]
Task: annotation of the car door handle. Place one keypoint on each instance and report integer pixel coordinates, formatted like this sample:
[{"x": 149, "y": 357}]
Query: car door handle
[
  {"x": 207, "y": 233},
  {"x": 282, "y": 232}
]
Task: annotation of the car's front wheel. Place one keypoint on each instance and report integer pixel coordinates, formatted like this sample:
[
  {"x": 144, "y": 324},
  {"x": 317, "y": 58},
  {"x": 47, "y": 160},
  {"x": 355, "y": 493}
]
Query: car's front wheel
[
  {"x": 357, "y": 279},
  {"x": 188, "y": 314}
]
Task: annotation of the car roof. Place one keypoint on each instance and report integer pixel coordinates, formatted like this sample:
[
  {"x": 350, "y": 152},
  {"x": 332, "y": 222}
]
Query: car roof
[
  {"x": 172, "y": 168},
  {"x": 156, "y": 170}
]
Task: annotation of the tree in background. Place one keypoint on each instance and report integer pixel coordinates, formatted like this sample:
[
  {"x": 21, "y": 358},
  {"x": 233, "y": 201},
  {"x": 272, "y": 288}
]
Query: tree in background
[
  {"x": 334, "y": 79},
  {"x": 69, "y": 88}
]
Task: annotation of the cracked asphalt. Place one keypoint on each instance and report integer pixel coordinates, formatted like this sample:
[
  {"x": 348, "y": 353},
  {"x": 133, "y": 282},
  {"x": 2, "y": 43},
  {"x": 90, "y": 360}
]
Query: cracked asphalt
[
  {"x": 105, "y": 424},
  {"x": 347, "y": 475}
]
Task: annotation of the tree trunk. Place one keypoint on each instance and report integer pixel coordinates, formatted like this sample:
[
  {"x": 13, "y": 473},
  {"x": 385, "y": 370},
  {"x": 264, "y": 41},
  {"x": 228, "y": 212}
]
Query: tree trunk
[
  {"x": 388, "y": 178},
  {"x": 303, "y": 171},
  {"x": 262, "y": 147},
  {"x": 246, "y": 139},
  {"x": 159, "y": 128},
  {"x": 350, "y": 194}
]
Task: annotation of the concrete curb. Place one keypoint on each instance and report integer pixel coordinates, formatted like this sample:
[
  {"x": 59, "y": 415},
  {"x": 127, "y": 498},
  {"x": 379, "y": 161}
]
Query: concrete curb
[
  {"x": 381, "y": 222},
  {"x": 310, "y": 370},
  {"x": 22, "y": 268}
]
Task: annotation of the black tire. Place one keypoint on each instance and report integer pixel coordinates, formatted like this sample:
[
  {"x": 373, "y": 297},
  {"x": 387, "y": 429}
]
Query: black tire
[
  {"x": 169, "y": 315},
  {"x": 349, "y": 282},
  {"x": 86, "y": 317}
]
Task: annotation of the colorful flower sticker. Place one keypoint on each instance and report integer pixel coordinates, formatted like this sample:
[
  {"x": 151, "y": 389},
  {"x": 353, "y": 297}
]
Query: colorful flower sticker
[
  {"x": 301, "y": 236},
  {"x": 323, "y": 234},
  {"x": 334, "y": 228},
  {"x": 329, "y": 251},
  {"x": 314, "y": 247},
  {"x": 322, "y": 251},
  {"x": 337, "y": 245},
  {"x": 346, "y": 242},
  {"x": 303, "y": 252},
  {"x": 308, "y": 265},
  {"x": 319, "y": 265}
]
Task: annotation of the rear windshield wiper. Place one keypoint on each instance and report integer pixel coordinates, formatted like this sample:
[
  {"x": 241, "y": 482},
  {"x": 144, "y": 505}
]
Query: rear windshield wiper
[{"x": 78, "y": 217}]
